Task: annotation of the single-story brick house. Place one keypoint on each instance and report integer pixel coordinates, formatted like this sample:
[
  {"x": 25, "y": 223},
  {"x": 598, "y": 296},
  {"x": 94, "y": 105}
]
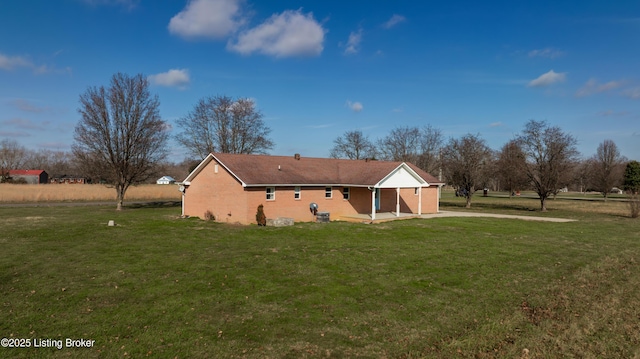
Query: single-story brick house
[
  {"x": 30, "y": 176},
  {"x": 232, "y": 186}
]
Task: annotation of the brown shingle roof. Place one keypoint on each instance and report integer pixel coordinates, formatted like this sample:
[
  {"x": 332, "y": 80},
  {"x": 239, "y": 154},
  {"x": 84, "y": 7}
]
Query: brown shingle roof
[{"x": 255, "y": 170}]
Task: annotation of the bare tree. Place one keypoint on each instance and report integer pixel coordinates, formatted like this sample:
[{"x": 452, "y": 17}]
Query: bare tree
[
  {"x": 550, "y": 156},
  {"x": 606, "y": 168},
  {"x": 420, "y": 146},
  {"x": 353, "y": 145},
  {"x": 431, "y": 141},
  {"x": 583, "y": 175},
  {"x": 401, "y": 144},
  {"x": 509, "y": 167},
  {"x": 120, "y": 137},
  {"x": 12, "y": 156},
  {"x": 467, "y": 163},
  {"x": 54, "y": 162},
  {"x": 222, "y": 124}
]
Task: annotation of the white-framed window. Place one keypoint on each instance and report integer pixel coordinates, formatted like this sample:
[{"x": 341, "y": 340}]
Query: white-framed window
[
  {"x": 328, "y": 192},
  {"x": 346, "y": 192},
  {"x": 416, "y": 190},
  {"x": 296, "y": 193},
  {"x": 271, "y": 193}
]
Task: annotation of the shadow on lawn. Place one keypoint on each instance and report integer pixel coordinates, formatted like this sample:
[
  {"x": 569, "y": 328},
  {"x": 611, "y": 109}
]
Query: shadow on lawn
[{"x": 154, "y": 204}]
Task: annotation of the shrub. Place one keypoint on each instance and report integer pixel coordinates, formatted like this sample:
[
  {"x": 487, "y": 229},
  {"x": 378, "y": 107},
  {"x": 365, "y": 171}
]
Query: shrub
[
  {"x": 260, "y": 217},
  {"x": 208, "y": 216}
]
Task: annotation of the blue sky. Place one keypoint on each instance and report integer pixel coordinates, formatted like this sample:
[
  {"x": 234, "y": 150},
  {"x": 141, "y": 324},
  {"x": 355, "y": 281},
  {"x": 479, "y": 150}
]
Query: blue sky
[{"x": 319, "y": 68}]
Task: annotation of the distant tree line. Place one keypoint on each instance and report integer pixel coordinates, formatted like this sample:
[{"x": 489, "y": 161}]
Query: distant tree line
[{"x": 542, "y": 158}]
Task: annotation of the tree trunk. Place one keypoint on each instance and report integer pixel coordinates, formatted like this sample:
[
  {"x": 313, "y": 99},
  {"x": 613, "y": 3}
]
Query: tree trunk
[
  {"x": 468, "y": 202},
  {"x": 120, "y": 197},
  {"x": 543, "y": 205}
]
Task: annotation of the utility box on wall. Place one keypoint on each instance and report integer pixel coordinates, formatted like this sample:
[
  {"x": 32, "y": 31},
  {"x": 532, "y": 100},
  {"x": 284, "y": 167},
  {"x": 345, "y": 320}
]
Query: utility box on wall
[{"x": 322, "y": 217}]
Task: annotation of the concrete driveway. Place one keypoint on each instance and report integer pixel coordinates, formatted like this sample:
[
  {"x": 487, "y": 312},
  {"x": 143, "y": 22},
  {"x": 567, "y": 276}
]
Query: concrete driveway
[
  {"x": 493, "y": 215},
  {"x": 391, "y": 216}
]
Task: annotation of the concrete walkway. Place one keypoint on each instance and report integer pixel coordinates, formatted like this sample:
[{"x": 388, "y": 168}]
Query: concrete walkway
[{"x": 391, "y": 216}]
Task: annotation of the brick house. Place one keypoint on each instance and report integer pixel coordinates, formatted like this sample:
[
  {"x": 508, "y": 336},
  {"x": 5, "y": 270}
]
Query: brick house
[
  {"x": 68, "y": 179},
  {"x": 231, "y": 186}
]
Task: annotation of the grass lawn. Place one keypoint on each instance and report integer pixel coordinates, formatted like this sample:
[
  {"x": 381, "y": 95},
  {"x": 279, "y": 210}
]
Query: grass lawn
[{"x": 159, "y": 286}]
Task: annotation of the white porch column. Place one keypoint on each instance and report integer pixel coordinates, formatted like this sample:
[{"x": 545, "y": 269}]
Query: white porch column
[
  {"x": 183, "y": 204},
  {"x": 419, "y": 201},
  {"x": 373, "y": 204},
  {"x": 397, "y": 201}
]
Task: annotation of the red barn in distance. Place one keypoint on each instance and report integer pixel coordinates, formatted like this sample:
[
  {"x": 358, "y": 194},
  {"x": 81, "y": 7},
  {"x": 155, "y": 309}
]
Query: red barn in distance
[{"x": 30, "y": 176}]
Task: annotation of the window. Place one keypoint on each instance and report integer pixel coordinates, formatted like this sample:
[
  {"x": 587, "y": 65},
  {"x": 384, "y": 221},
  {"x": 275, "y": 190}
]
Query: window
[
  {"x": 271, "y": 193},
  {"x": 327, "y": 192},
  {"x": 296, "y": 193},
  {"x": 415, "y": 190},
  {"x": 345, "y": 193}
]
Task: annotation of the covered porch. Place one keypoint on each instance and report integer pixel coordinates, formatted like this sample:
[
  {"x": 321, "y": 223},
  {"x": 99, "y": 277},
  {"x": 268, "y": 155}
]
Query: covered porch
[{"x": 399, "y": 194}]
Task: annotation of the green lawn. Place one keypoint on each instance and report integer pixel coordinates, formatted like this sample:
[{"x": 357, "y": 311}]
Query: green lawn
[{"x": 160, "y": 286}]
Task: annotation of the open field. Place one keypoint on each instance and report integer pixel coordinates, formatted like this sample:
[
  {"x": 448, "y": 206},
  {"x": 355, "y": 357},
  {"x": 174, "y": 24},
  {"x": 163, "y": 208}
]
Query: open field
[
  {"x": 159, "y": 286},
  {"x": 20, "y": 193},
  {"x": 572, "y": 205}
]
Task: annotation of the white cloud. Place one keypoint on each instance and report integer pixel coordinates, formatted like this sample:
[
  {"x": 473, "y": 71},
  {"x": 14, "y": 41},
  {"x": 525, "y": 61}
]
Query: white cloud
[
  {"x": 354, "y": 106},
  {"x": 548, "y": 78},
  {"x": 12, "y": 62},
  {"x": 353, "y": 45},
  {"x": 290, "y": 33},
  {"x": 496, "y": 124},
  {"x": 633, "y": 93},
  {"x": 592, "y": 87},
  {"x": 207, "y": 18},
  {"x": 548, "y": 52},
  {"x": 173, "y": 78},
  {"x": 9, "y": 63},
  {"x": 393, "y": 21}
]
